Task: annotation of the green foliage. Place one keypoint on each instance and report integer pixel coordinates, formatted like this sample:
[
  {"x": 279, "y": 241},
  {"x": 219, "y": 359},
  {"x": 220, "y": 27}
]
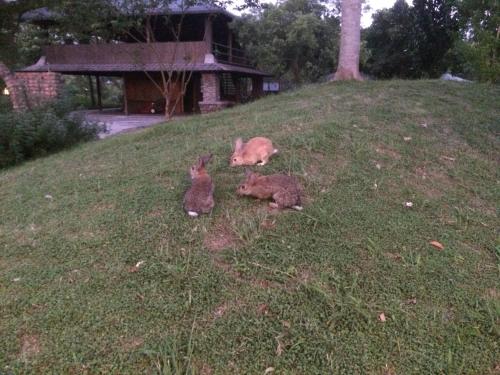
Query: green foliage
[
  {"x": 477, "y": 51},
  {"x": 411, "y": 41},
  {"x": 296, "y": 40},
  {"x": 38, "y": 132}
]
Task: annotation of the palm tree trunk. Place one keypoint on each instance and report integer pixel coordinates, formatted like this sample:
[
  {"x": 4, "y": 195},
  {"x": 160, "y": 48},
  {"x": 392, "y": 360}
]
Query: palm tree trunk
[
  {"x": 350, "y": 35},
  {"x": 16, "y": 89}
]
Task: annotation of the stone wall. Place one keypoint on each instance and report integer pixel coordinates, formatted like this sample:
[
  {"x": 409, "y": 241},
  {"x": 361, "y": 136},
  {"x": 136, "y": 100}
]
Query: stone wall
[
  {"x": 41, "y": 87},
  {"x": 210, "y": 87},
  {"x": 210, "y": 90}
]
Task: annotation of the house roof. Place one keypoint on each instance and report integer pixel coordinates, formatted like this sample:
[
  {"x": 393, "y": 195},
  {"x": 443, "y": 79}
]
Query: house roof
[
  {"x": 45, "y": 14},
  {"x": 113, "y": 69}
]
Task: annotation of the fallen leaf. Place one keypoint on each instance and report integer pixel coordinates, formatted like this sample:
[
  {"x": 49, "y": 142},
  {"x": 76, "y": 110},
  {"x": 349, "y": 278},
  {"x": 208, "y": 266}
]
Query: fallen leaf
[
  {"x": 269, "y": 370},
  {"x": 409, "y": 204},
  {"x": 378, "y": 166},
  {"x": 437, "y": 245},
  {"x": 381, "y": 317},
  {"x": 263, "y": 309},
  {"x": 407, "y": 139},
  {"x": 424, "y": 125},
  {"x": 136, "y": 267},
  {"x": 411, "y": 301},
  {"x": 280, "y": 348},
  {"x": 448, "y": 158},
  {"x": 48, "y": 196}
]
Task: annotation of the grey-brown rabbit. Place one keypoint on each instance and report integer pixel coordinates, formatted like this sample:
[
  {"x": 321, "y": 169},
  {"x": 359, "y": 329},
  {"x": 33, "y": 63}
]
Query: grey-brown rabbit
[
  {"x": 283, "y": 189},
  {"x": 199, "y": 199}
]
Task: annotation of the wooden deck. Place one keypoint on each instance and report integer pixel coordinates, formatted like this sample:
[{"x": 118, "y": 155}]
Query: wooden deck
[{"x": 117, "y": 122}]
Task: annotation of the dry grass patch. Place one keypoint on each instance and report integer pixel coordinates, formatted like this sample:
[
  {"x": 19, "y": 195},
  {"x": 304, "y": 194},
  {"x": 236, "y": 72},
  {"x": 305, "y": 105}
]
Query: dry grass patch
[
  {"x": 220, "y": 237},
  {"x": 387, "y": 151},
  {"x": 30, "y": 347}
]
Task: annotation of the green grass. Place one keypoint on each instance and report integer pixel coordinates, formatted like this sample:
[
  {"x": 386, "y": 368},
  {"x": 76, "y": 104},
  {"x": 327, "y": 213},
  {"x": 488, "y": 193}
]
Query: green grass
[{"x": 246, "y": 289}]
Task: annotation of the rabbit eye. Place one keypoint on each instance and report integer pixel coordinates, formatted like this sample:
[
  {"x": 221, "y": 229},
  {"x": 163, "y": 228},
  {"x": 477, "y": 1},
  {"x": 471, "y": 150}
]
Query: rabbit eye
[
  {"x": 234, "y": 159},
  {"x": 243, "y": 187}
]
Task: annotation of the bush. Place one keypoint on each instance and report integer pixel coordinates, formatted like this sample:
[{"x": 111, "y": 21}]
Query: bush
[{"x": 41, "y": 131}]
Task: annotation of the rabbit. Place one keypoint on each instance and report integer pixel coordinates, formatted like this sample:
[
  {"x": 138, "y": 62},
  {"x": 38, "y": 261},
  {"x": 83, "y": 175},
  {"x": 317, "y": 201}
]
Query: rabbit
[
  {"x": 257, "y": 150},
  {"x": 199, "y": 197},
  {"x": 285, "y": 190}
]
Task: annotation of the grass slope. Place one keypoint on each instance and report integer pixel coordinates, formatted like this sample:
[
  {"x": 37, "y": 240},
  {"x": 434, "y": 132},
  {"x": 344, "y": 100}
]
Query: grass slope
[{"x": 246, "y": 288}]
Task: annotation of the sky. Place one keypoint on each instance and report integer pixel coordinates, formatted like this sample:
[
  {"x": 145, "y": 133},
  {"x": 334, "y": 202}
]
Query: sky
[{"x": 366, "y": 18}]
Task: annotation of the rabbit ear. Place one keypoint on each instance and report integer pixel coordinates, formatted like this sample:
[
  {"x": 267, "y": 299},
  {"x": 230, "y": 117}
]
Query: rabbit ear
[
  {"x": 205, "y": 159},
  {"x": 238, "y": 144}
]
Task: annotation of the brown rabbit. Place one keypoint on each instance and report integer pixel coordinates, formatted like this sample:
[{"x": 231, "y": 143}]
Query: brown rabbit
[
  {"x": 199, "y": 198},
  {"x": 285, "y": 190},
  {"x": 257, "y": 150}
]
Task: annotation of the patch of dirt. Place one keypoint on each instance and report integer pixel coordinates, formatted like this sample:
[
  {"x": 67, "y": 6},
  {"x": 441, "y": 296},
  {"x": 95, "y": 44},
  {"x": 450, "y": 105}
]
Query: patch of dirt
[
  {"x": 319, "y": 162},
  {"x": 100, "y": 207},
  {"x": 493, "y": 294},
  {"x": 227, "y": 306},
  {"x": 157, "y": 212},
  {"x": 268, "y": 224},
  {"x": 481, "y": 205},
  {"x": 387, "y": 151},
  {"x": 433, "y": 183},
  {"x": 206, "y": 370},
  {"x": 220, "y": 237},
  {"x": 131, "y": 343},
  {"x": 30, "y": 347},
  {"x": 388, "y": 370}
]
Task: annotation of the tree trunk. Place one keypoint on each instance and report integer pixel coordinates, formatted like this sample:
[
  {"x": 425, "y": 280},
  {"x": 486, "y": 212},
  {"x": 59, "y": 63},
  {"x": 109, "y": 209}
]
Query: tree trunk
[
  {"x": 350, "y": 34},
  {"x": 16, "y": 89}
]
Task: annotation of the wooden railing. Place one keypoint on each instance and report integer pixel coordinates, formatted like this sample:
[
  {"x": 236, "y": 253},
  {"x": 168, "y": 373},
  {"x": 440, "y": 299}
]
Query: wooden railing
[
  {"x": 226, "y": 54},
  {"x": 127, "y": 53}
]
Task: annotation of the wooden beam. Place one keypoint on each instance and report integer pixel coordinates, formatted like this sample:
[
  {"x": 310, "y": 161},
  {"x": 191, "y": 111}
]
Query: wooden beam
[
  {"x": 230, "y": 45},
  {"x": 91, "y": 88},
  {"x": 125, "y": 99},
  {"x": 208, "y": 33},
  {"x": 98, "y": 87}
]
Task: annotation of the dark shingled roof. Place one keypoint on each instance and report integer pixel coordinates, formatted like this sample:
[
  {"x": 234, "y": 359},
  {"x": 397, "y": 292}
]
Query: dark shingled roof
[{"x": 176, "y": 7}]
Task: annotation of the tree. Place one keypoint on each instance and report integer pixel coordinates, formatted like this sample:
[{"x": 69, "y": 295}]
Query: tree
[
  {"x": 412, "y": 42},
  {"x": 478, "y": 48},
  {"x": 296, "y": 40},
  {"x": 350, "y": 41},
  {"x": 390, "y": 41}
]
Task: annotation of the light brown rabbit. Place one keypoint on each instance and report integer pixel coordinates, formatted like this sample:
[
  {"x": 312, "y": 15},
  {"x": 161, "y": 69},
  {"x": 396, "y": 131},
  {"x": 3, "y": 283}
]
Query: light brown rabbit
[
  {"x": 199, "y": 199},
  {"x": 283, "y": 189},
  {"x": 257, "y": 150}
]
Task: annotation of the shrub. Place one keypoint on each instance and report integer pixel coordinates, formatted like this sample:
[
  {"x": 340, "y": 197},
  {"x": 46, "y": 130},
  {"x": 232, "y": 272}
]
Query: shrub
[{"x": 41, "y": 131}]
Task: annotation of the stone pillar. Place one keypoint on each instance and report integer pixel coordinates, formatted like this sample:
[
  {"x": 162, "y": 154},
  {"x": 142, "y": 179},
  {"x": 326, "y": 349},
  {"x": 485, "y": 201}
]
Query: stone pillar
[
  {"x": 41, "y": 87},
  {"x": 210, "y": 89}
]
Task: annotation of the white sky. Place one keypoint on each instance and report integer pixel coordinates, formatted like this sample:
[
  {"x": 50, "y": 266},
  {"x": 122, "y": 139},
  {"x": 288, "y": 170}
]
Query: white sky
[{"x": 366, "y": 18}]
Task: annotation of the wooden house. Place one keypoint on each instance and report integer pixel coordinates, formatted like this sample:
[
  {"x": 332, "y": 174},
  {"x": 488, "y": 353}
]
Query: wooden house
[{"x": 205, "y": 52}]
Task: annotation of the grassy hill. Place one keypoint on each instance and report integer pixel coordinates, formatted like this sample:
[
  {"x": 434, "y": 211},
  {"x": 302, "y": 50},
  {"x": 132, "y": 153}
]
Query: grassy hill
[{"x": 248, "y": 289}]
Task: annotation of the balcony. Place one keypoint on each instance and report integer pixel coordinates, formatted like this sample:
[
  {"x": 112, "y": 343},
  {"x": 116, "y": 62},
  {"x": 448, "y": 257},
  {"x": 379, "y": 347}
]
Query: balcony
[
  {"x": 230, "y": 55},
  {"x": 126, "y": 56}
]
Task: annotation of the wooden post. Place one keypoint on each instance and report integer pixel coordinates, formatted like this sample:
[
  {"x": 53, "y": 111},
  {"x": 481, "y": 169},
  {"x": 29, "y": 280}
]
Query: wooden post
[
  {"x": 230, "y": 45},
  {"x": 208, "y": 33},
  {"x": 98, "y": 87},
  {"x": 125, "y": 100},
  {"x": 91, "y": 88},
  {"x": 257, "y": 89}
]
